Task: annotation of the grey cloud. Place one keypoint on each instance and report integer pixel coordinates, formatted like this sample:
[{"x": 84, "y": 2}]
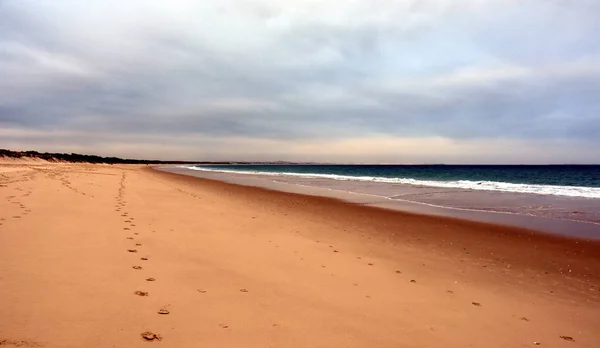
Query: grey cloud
[{"x": 284, "y": 72}]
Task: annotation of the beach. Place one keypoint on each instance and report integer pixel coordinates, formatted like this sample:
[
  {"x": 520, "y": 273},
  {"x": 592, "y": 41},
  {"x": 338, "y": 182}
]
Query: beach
[{"x": 90, "y": 254}]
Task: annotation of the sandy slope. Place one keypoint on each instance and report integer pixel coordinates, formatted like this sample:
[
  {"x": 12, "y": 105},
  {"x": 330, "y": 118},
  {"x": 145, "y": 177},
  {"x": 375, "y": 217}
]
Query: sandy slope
[
  {"x": 10, "y": 161},
  {"x": 242, "y": 267}
]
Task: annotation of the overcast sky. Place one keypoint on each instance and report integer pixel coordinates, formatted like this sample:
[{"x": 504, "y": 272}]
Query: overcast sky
[{"x": 464, "y": 81}]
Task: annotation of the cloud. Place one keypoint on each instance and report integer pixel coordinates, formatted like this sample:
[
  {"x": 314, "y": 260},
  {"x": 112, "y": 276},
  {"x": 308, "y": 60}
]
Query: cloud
[{"x": 92, "y": 75}]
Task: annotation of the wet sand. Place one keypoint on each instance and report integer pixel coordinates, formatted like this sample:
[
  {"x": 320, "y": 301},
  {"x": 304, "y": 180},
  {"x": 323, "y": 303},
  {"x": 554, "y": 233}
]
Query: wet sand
[
  {"x": 573, "y": 217},
  {"x": 122, "y": 256}
]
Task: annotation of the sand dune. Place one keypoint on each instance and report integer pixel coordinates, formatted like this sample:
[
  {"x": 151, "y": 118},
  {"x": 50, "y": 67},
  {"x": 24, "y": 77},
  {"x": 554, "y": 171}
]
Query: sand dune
[{"x": 126, "y": 256}]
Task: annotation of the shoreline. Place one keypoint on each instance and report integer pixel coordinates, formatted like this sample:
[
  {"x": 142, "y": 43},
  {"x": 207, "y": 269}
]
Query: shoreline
[
  {"x": 239, "y": 266},
  {"x": 488, "y": 238},
  {"x": 583, "y": 230}
]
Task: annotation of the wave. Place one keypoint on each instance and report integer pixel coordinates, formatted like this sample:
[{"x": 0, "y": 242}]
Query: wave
[{"x": 554, "y": 190}]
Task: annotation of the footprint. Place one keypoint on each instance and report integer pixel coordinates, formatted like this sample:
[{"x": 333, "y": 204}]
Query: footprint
[
  {"x": 202, "y": 291},
  {"x": 224, "y": 326},
  {"x": 243, "y": 290},
  {"x": 19, "y": 343},
  {"x": 476, "y": 304},
  {"x": 129, "y": 237},
  {"x": 567, "y": 338},
  {"x": 141, "y": 293},
  {"x": 144, "y": 258},
  {"x": 151, "y": 336},
  {"x": 150, "y": 279},
  {"x": 163, "y": 310},
  {"x": 132, "y": 250},
  {"x": 137, "y": 267},
  {"x": 138, "y": 244}
]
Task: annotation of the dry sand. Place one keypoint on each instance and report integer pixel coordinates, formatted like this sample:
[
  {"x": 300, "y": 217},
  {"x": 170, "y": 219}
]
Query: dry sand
[{"x": 244, "y": 267}]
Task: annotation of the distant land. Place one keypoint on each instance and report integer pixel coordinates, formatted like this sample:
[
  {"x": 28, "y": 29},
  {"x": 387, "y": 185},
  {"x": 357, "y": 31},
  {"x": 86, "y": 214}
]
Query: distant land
[{"x": 80, "y": 158}]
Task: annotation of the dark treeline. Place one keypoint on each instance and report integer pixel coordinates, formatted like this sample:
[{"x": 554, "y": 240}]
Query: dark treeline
[{"x": 78, "y": 158}]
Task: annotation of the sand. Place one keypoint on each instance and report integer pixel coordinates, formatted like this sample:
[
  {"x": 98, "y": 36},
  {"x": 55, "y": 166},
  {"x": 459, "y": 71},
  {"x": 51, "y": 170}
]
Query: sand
[{"x": 127, "y": 256}]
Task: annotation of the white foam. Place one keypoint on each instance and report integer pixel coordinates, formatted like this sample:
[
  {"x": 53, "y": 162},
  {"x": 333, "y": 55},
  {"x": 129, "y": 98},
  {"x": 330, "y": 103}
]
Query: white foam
[{"x": 554, "y": 190}]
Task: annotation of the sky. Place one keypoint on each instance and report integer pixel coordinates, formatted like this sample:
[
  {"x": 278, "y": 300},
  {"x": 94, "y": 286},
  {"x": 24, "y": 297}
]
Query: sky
[{"x": 423, "y": 81}]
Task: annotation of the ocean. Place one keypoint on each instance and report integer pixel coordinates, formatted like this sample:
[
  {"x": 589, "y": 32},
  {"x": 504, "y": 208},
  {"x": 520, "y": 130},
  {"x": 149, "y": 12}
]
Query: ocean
[
  {"x": 560, "y": 192},
  {"x": 560, "y": 180}
]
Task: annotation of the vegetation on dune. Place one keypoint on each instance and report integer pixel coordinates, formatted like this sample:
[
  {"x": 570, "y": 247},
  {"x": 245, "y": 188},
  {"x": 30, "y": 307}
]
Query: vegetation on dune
[{"x": 79, "y": 158}]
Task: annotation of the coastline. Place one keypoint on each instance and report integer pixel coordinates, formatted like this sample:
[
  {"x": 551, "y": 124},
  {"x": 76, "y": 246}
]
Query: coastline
[
  {"x": 241, "y": 266},
  {"x": 584, "y": 230},
  {"x": 485, "y": 240}
]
